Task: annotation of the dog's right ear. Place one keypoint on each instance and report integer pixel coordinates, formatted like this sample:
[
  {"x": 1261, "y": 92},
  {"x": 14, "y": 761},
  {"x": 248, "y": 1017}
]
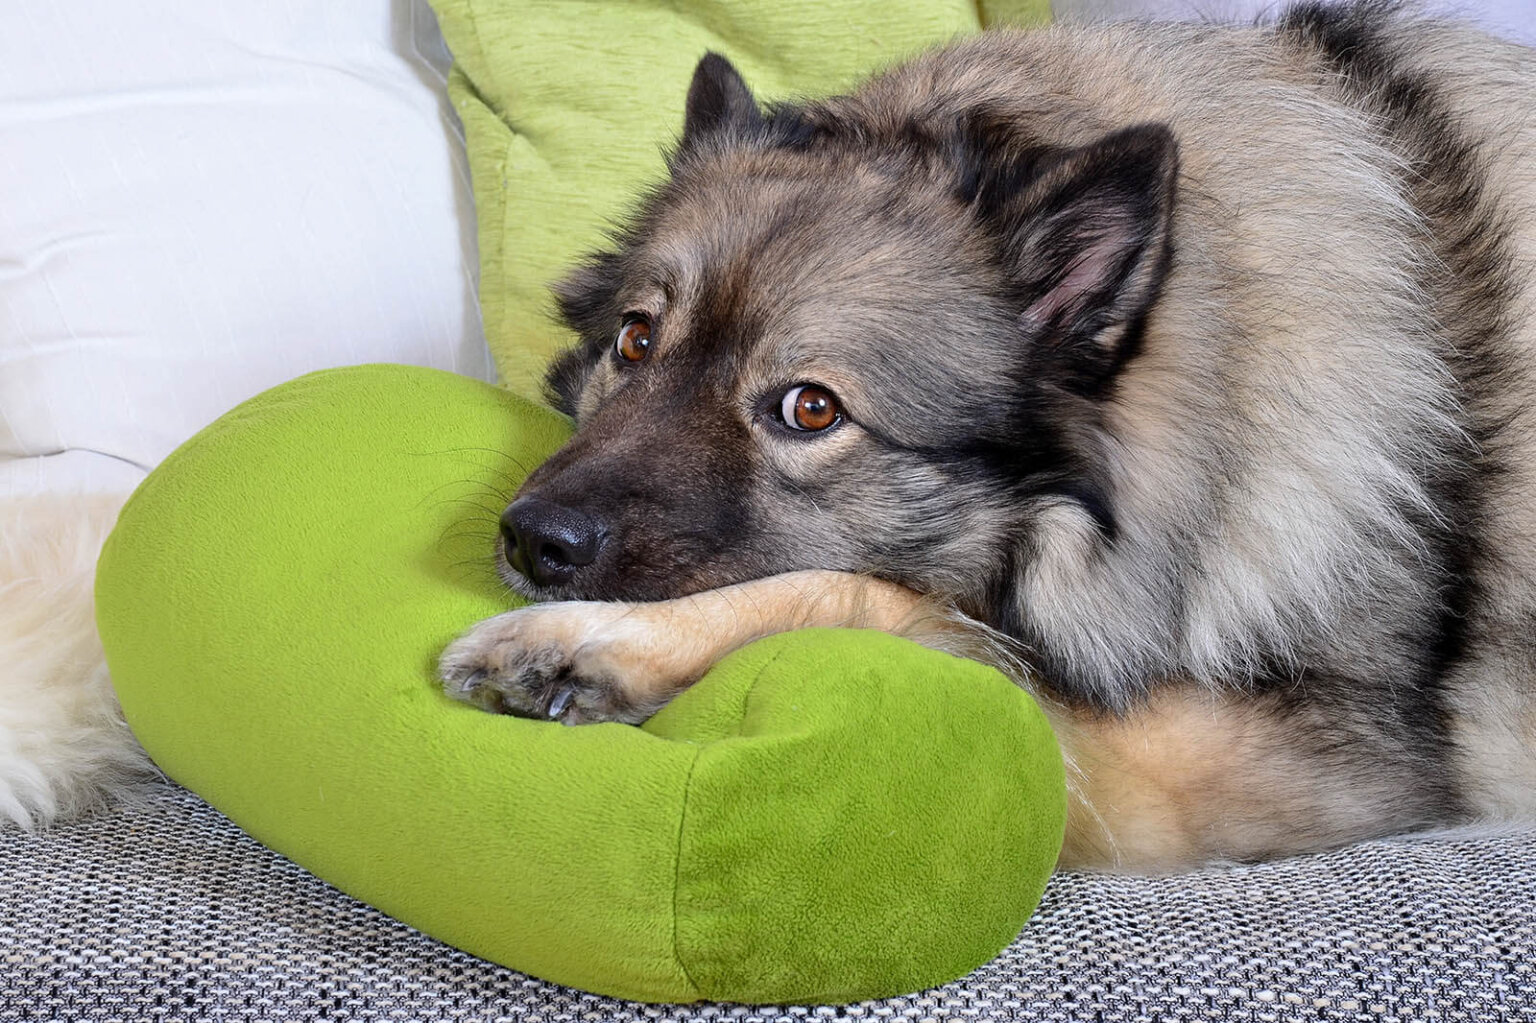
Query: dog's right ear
[{"x": 719, "y": 103}]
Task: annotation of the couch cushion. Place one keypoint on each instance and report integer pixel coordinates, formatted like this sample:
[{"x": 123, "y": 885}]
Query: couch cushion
[
  {"x": 199, "y": 200},
  {"x": 168, "y": 909},
  {"x": 569, "y": 108}
]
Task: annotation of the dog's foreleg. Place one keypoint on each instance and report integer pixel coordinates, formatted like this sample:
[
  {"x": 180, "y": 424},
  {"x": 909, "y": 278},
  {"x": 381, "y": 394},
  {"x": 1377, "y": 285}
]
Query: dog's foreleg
[
  {"x": 585, "y": 661},
  {"x": 1192, "y": 774}
]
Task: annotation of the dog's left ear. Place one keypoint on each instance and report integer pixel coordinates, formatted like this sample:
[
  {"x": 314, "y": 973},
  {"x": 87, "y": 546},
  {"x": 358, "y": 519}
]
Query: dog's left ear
[
  {"x": 719, "y": 102},
  {"x": 587, "y": 300},
  {"x": 1085, "y": 232}
]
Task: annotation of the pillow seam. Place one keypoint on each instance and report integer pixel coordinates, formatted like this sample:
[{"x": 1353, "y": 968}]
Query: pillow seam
[
  {"x": 682, "y": 826},
  {"x": 486, "y": 65},
  {"x": 493, "y": 327}
]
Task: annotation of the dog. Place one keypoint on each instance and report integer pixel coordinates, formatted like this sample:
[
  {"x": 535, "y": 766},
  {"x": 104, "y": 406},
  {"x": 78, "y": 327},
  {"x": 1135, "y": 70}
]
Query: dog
[{"x": 1185, "y": 372}]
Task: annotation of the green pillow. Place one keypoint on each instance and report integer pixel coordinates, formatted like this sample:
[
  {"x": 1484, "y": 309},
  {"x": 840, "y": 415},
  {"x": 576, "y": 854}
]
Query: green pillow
[
  {"x": 827, "y": 816},
  {"x": 567, "y": 108}
]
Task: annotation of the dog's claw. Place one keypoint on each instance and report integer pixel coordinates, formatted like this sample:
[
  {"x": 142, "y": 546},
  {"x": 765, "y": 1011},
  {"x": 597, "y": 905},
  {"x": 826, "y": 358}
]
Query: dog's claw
[
  {"x": 561, "y": 701},
  {"x": 470, "y": 681}
]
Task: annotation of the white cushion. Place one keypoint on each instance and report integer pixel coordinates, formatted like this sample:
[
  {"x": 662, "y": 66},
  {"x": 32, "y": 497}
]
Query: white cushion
[{"x": 199, "y": 200}]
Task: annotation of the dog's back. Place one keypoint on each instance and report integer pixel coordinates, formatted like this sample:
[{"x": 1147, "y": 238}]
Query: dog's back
[{"x": 1475, "y": 188}]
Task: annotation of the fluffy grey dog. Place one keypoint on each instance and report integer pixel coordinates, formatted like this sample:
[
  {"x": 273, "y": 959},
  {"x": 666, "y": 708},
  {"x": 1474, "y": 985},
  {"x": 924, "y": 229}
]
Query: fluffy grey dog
[{"x": 1184, "y": 371}]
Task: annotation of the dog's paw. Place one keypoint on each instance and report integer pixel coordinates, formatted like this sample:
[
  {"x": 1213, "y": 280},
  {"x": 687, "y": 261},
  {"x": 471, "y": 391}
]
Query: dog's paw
[{"x": 562, "y": 662}]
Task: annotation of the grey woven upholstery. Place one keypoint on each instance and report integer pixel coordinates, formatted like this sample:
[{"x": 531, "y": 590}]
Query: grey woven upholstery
[{"x": 169, "y": 912}]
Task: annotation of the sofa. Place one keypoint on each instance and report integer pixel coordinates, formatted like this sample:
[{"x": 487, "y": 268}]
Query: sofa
[
  {"x": 200, "y": 203},
  {"x": 165, "y": 910}
]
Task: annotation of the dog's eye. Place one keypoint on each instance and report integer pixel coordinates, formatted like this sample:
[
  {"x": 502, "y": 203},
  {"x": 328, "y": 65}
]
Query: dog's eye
[
  {"x": 810, "y": 408},
  {"x": 634, "y": 338}
]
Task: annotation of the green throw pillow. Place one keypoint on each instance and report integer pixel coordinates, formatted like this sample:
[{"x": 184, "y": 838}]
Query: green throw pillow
[
  {"x": 827, "y": 816},
  {"x": 567, "y": 107}
]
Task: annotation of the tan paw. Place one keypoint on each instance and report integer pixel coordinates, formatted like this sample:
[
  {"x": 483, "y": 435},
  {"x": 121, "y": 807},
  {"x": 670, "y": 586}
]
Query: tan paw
[{"x": 576, "y": 662}]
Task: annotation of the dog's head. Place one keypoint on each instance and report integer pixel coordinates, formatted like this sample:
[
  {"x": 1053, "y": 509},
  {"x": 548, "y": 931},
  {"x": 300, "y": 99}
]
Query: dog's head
[{"x": 843, "y": 336}]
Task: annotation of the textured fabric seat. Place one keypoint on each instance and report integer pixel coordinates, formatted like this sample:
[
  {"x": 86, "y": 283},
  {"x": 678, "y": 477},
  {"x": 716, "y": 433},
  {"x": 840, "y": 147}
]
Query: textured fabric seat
[{"x": 168, "y": 911}]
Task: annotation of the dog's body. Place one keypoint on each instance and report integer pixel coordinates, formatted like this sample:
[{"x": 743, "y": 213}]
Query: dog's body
[{"x": 1197, "y": 364}]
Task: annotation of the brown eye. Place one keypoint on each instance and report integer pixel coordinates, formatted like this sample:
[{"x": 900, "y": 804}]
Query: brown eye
[
  {"x": 634, "y": 339},
  {"x": 809, "y": 408}
]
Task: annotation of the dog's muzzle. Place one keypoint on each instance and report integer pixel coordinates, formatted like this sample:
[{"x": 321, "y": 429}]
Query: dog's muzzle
[{"x": 548, "y": 542}]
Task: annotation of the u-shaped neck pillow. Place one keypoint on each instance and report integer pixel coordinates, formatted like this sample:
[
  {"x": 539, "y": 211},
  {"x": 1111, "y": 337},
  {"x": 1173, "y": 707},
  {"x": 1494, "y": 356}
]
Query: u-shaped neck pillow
[{"x": 827, "y": 816}]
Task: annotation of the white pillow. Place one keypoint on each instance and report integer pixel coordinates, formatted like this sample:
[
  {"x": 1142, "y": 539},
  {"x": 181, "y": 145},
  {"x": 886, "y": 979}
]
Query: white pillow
[{"x": 199, "y": 200}]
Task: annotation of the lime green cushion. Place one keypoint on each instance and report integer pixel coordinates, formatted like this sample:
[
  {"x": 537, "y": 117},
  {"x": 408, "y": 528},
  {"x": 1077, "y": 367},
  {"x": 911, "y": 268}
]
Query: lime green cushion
[
  {"x": 827, "y": 816},
  {"x": 567, "y": 107}
]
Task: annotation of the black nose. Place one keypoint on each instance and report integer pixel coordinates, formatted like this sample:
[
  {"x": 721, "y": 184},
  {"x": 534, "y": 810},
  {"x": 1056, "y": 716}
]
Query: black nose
[{"x": 547, "y": 542}]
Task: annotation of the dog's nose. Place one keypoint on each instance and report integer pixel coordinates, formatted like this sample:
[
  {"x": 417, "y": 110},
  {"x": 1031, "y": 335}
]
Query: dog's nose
[{"x": 547, "y": 542}]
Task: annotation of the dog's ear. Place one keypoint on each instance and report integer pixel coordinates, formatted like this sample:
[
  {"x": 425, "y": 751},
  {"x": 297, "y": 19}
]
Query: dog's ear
[
  {"x": 719, "y": 103},
  {"x": 1085, "y": 234},
  {"x": 586, "y": 300}
]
